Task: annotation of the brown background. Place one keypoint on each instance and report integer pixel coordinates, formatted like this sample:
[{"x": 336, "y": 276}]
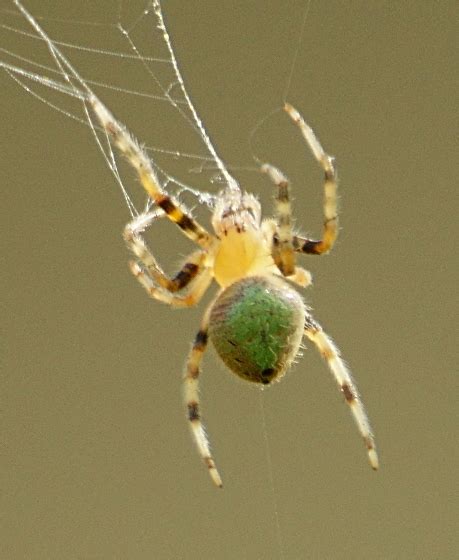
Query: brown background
[{"x": 98, "y": 462}]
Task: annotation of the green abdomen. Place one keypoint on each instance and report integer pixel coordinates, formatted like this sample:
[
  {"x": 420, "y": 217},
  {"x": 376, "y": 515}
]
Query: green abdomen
[{"x": 256, "y": 326}]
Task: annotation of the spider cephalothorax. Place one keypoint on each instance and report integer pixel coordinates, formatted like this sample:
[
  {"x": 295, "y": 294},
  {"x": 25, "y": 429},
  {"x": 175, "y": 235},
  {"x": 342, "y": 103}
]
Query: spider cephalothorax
[{"x": 257, "y": 320}]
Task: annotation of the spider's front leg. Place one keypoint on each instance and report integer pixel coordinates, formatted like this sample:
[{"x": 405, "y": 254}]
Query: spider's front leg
[
  {"x": 191, "y": 395},
  {"x": 140, "y": 162},
  {"x": 151, "y": 276},
  {"x": 347, "y": 385},
  {"x": 330, "y": 227}
]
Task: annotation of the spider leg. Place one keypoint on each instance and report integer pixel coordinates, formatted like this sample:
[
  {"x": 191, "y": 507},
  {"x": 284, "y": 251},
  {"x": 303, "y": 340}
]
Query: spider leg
[
  {"x": 282, "y": 240},
  {"x": 330, "y": 227},
  {"x": 191, "y": 395},
  {"x": 192, "y": 267},
  {"x": 346, "y": 384},
  {"x": 152, "y": 277},
  {"x": 201, "y": 282},
  {"x": 278, "y": 231},
  {"x": 141, "y": 163},
  {"x": 301, "y": 277}
]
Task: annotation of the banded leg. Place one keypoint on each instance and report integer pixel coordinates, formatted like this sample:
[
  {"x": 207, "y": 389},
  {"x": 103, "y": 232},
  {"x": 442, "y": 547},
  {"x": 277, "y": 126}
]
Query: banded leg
[
  {"x": 278, "y": 233},
  {"x": 141, "y": 163},
  {"x": 330, "y": 227},
  {"x": 200, "y": 284},
  {"x": 135, "y": 242},
  {"x": 346, "y": 384},
  {"x": 282, "y": 245},
  {"x": 191, "y": 395}
]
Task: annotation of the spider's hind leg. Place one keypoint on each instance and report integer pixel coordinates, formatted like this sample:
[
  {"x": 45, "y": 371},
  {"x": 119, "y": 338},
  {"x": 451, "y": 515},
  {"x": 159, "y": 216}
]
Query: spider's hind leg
[
  {"x": 331, "y": 355},
  {"x": 191, "y": 395}
]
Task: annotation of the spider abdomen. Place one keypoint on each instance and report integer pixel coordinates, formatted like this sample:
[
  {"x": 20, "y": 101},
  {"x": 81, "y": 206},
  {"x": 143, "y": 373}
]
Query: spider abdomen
[{"x": 256, "y": 326}]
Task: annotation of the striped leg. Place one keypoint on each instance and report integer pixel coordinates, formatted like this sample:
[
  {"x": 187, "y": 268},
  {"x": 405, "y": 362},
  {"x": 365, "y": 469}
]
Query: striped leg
[
  {"x": 141, "y": 163},
  {"x": 278, "y": 232},
  {"x": 200, "y": 284},
  {"x": 193, "y": 266},
  {"x": 282, "y": 246},
  {"x": 330, "y": 227},
  {"x": 191, "y": 395},
  {"x": 346, "y": 384}
]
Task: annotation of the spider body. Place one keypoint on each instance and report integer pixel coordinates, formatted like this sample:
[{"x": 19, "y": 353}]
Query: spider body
[
  {"x": 256, "y": 325},
  {"x": 256, "y": 320}
]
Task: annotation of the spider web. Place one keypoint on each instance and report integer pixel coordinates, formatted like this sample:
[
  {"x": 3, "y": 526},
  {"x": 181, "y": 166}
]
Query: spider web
[{"x": 48, "y": 58}]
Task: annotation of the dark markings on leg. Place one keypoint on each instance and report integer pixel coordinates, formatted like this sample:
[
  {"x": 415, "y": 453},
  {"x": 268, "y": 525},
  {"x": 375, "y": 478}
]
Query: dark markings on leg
[
  {"x": 209, "y": 462},
  {"x": 200, "y": 341},
  {"x": 166, "y": 204},
  {"x": 173, "y": 211},
  {"x": 186, "y": 223},
  {"x": 348, "y": 394},
  {"x": 193, "y": 412},
  {"x": 369, "y": 443},
  {"x": 283, "y": 194},
  {"x": 330, "y": 173},
  {"x": 193, "y": 371},
  {"x": 310, "y": 246},
  {"x": 184, "y": 276}
]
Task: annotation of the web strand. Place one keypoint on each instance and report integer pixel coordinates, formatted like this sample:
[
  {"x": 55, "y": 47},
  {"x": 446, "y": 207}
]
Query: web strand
[
  {"x": 269, "y": 460},
  {"x": 60, "y": 75}
]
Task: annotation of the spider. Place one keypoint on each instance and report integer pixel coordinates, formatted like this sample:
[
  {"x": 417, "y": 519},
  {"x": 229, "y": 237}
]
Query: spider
[{"x": 257, "y": 320}]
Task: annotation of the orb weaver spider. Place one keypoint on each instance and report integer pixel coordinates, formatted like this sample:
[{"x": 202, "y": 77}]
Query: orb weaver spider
[{"x": 257, "y": 319}]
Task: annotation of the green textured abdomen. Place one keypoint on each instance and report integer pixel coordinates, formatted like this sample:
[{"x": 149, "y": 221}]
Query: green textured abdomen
[{"x": 256, "y": 326}]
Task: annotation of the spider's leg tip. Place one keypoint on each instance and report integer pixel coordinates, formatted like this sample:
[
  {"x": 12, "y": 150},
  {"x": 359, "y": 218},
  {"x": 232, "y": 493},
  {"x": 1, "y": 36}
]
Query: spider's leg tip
[
  {"x": 214, "y": 474},
  {"x": 216, "y": 478},
  {"x": 373, "y": 458}
]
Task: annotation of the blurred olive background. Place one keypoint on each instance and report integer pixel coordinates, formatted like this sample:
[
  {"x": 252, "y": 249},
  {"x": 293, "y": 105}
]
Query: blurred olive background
[{"x": 98, "y": 461}]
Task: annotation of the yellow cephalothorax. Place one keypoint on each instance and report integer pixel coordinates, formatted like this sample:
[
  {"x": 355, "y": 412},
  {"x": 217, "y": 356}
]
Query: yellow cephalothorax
[{"x": 242, "y": 248}]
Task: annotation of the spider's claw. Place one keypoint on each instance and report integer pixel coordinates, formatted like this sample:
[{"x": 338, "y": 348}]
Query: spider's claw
[{"x": 373, "y": 458}]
